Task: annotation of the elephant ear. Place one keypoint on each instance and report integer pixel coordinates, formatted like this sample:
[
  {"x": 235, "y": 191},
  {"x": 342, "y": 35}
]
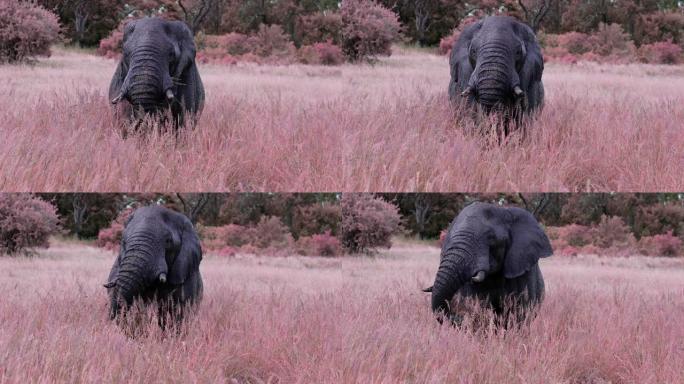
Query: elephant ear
[
  {"x": 528, "y": 243},
  {"x": 191, "y": 92},
  {"x": 186, "y": 46},
  {"x": 461, "y": 69},
  {"x": 189, "y": 256},
  {"x": 533, "y": 66},
  {"x": 121, "y": 69},
  {"x": 118, "y": 79}
]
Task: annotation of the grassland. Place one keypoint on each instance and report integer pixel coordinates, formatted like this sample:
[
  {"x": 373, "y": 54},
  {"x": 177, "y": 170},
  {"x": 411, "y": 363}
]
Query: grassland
[
  {"x": 356, "y": 319},
  {"x": 387, "y": 127}
]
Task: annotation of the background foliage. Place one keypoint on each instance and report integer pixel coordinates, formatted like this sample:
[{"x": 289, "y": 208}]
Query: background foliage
[{"x": 333, "y": 224}]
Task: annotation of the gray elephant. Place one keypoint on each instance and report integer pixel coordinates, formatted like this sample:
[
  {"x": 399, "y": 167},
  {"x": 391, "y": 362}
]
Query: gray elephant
[
  {"x": 490, "y": 255},
  {"x": 497, "y": 63},
  {"x": 158, "y": 263},
  {"x": 157, "y": 72}
]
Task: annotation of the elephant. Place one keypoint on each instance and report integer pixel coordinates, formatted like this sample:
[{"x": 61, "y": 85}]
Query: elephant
[
  {"x": 157, "y": 72},
  {"x": 497, "y": 63},
  {"x": 158, "y": 263},
  {"x": 490, "y": 256}
]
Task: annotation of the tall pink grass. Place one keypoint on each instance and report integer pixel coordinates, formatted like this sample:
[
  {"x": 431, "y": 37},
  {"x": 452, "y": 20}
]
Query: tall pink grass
[
  {"x": 387, "y": 127},
  {"x": 341, "y": 320}
]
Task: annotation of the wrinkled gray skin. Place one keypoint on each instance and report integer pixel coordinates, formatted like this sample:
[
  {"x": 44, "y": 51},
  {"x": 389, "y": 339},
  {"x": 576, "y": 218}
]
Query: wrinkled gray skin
[
  {"x": 158, "y": 263},
  {"x": 497, "y": 63},
  {"x": 490, "y": 254},
  {"x": 157, "y": 71}
]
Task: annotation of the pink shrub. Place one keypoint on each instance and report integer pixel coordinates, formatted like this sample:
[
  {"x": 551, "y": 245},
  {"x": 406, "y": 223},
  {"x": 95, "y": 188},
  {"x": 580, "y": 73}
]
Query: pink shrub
[
  {"x": 321, "y": 53},
  {"x": 111, "y": 46},
  {"x": 231, "y": 235},
  {"x": 662, "y": 52},
  {"x": 612, "y": 43},
  {"x": 271, "y": 232},
  {"x": 660, "y": 26},
  {"x": 367, "y": 222},
  {"x": 609, "y": 237},
  {"x": 110, "y": 238},
  {"x": 609, "y": 44},
  {"x": 612, "y": 232},
  {"x": 269, "y": 235},
  {"x": 661, "y": 245},
  {"x": 573, "y": 235},
  {"x": 25, "y": 222},
  {"x": 26, "y": 30},
  {"x": 369, "y": 29},
  {"x": 575, "y": 43},
  {"x": 272, "y": 43},
  {"x": 316, "y": 219},
  {"x": 658, "y": 218},
  {"x": 319, "y": 245},
  {"x": 319, "y": 27},
  {"x": 447, "y": 42}
]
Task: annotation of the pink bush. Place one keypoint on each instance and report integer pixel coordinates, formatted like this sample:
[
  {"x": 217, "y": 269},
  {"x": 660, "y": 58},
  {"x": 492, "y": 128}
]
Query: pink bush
[
  {"x": 369, "y": 29},
  {"x": 612, "y": 232},
  {"x": 25, "y": 222},
  {"x": 609, "y": 237},
  {"x": 447, "y": 42},
  {"x": 609, "y": 44},
  {"x": 271, "y": 43},
  {"x": 319, "y": 27},
  {"x": 315, "y": 219},
  {"x": 231, "y": 235},
  {"x": 271, "y": 232},
  {"x": 110, "y": 238},
  {"x": 319, "y": 245},
  {"x": 111, "y": 46},
  {"x": 572, "y": 235},
  {"x": 321, "y": 54},
  {"x": 661, "y": 245},
  {"x": 662, "y": 52},
  {"x": 368, "y": 222},
  {"x": 223, "y": 49},
  {"x": 270, "y": 235},
  {"x": 27, "y": 30},
  {"x": 575, "y": 43}
]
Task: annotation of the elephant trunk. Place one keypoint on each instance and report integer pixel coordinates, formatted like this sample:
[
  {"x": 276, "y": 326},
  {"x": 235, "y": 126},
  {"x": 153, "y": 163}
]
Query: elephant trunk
[
  {"x": 456, "y": 268},
  {"x": 148, "y": 84},
  {"x": 493, "y": 80},
  {"x": 136, "y": 273}
]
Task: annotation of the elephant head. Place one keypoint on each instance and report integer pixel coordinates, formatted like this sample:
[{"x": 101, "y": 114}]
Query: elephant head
[
  {"x": 497, "y": 61},
  {"x": 159, "y": 251},
  {"x": 157, "y": 70},
  {"x": 486, "y": 242}
]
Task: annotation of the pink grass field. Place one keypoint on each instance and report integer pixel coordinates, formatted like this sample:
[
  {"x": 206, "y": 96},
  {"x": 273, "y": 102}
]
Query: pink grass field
[
  {"x": 351, "y": 320},
  {"x": 387, "y": 127}
]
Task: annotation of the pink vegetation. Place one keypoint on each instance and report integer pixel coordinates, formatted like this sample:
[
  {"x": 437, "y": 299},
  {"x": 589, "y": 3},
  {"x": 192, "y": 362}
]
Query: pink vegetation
[{"x": 319, "y": 320}]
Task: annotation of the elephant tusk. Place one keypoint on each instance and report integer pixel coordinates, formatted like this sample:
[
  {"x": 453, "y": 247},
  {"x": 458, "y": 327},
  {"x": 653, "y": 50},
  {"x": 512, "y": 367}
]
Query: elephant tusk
[
  {"x": 110, "y": 284},
  {"x": 118, "y": 98},
  {"x": 517, "y": 91},
  {"x": 466, "y": 92},
  {"x": 429, "y": 289},
  {"x": 162, "y": 278},
  {"x": 169, "y": 95},
  {"x": 479, "y": 277}
]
